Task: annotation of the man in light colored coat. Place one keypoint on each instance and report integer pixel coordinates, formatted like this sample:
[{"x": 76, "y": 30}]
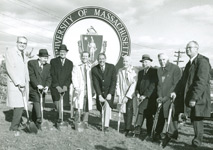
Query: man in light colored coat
[
  {"x": 82, "y": 83},
  {"x": 125, "y": 89},
  {"x": 17, "y": 81}
]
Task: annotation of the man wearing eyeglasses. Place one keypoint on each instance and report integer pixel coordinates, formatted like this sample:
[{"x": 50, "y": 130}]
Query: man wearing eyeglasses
[
  {"x": 193, "y": 91},
  {"x": 17, "y": 81}
]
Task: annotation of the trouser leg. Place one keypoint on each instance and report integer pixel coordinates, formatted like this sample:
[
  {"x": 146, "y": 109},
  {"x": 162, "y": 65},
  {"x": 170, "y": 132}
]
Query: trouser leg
[
  {"x": 85, "y": 110},
  {"x": 58, "y": 108},
  {"x": 140, "y": 116},
  {"x": 17, "y": 114},
  {"x": 149, "y": 121},
  {"x": 198, "y": 130},
  {"x": 37, "y": 110},
  {"x": 160, "y": 123},
  {"x": 128, "y": 114}
]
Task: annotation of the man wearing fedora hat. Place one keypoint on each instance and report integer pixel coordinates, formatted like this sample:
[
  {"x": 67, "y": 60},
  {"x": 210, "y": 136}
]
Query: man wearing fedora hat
[
  {"x": 40, "y": 79},
  {"x": 146, "y": 95},
  {"x": 61, "y": 72}
]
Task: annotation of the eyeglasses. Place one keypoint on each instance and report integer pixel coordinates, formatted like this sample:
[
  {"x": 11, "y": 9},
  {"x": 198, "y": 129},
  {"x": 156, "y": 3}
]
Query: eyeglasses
[
  {"x": 22, "y": 43},
  {"x": 190, "y": 47}
]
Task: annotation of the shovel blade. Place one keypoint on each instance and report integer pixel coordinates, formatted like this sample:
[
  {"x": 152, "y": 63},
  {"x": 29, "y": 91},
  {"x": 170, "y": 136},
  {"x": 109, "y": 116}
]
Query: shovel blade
[{"x": 30, "y": 127}]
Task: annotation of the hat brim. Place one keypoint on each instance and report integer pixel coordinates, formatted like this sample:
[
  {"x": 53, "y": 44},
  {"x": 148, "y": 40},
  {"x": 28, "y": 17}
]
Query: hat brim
[
  {"x": 146, "y": 59},
  {"x": 63, "y": 49},
  {"x": 43, "y": 55}
]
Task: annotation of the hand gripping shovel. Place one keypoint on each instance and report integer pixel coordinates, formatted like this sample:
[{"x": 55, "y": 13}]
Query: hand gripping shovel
[
  {"x": 156, "y": 120},
  {"x": 44, "y": 124},
  {"x": 30, "y": 126},
  {"x": 79, "y": 125},
  {"x": 61, "y": 111}
]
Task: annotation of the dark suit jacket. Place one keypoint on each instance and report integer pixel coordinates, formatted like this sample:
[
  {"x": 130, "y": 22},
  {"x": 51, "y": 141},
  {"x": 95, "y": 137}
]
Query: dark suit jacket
[
  {"x": 195, "y": 85},
  {"x": 104, "y": 83},
  {"x": 167, "y": 81},
  {"x": 61, "y": 76},
  {"x": 38, "y": 78},
  {"x": 147, "y": 86}
]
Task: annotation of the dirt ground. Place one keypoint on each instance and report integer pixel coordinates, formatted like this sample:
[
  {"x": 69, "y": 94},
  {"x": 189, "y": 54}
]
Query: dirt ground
[{"x": 91, "y": 139}]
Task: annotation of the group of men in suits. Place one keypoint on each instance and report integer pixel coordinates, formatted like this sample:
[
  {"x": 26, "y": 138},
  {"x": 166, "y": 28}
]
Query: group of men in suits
[{"x": 138, "y": 92}]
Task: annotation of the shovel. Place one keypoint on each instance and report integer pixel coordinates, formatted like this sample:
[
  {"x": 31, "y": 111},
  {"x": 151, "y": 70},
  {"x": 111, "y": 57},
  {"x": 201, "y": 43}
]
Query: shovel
[
  {"x": 79, "y": 125},
  {"x": 44, "y": 124},
  {"x": 170, "y": 115},
  {"x": 156, "y": 120},
  {"x": 119, "y": 116},
  {"x": 30, "y": 126},
  {"x": 102, "y": 115},
  {"x": 61, "y": 111}
]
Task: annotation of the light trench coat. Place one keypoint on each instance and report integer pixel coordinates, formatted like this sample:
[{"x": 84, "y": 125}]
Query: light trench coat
[
  {"x": 78, "y": 80},
  {"x": 17, "y": 73},
  {"x": 126, "y": 84}
]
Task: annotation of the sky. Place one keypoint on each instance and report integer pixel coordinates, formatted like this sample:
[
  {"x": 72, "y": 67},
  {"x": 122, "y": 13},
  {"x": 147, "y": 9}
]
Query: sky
[{"x": 154, "y": 26}]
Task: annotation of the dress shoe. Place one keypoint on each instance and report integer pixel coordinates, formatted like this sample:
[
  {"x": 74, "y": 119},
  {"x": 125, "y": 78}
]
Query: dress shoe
[
  {"x": 165, "y": 141},
  {"x": 127, "y": 134},
  {"x": 86, "y": 125},
  {"x": 137, "y": 130},
  {"x": 106, "y": 129},
  {"x": 156, "y": 137}
]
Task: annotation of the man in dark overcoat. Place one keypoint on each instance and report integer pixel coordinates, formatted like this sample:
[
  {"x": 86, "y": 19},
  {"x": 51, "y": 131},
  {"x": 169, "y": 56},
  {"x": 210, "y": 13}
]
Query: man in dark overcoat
[
  {"x": 61, "y": 73},
  {"x": 193, "y": 91},
  {"x": 40, "y": 79},
  {"x": 146, "y": 92},
  {"x": 168, "y": 76},
  {"x": 104, "y": 82}
]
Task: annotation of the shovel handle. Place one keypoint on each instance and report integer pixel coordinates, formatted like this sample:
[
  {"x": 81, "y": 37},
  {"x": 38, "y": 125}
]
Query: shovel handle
[
  {"x": 170, "y": 114},
  {"x": 25, "y": 102},
  {"x": 41, "y": 91},
  {"x": 62, "y": 105},
  {"x": 102, "y": 115}
]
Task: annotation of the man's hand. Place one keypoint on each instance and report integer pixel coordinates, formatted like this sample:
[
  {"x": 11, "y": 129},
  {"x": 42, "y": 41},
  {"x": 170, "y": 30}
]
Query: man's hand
[
  {"x": 45, "y": 90},
  {"x": 64, "y": 88},
  {"x": 159, "y": 100},
  {"x": 192, "y": 103},
  {"x": 173, "y": 95},
  {"x": 142, "y": 97},
  {"x": 59, "y": 89},
  {"x": 125, "y": 99},
  {"x": 101, "y": 99},
  {"x": 109, "y": 97},
  {"x": 40, "y": 87},
  {"x": 21, "y": 88}
]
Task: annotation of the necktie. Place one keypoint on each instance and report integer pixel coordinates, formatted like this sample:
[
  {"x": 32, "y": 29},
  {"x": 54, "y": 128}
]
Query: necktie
[
  {"x": 85, "y": 72},
  {"x": 102, "y": 68},
  {"x": 41, "y": 68},
  {"x": 22, "y": 54},
  {"x": 62, "y": 62}
]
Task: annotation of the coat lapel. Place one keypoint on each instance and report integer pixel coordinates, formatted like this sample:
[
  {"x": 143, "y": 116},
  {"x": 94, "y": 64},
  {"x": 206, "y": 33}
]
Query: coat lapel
[{"x": 38, "y": 68}]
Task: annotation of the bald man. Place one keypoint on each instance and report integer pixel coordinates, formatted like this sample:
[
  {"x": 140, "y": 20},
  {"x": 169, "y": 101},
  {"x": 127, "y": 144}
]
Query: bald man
[
  {"x": 168, "y": 76},
  {"x": 125, "y": 89}
]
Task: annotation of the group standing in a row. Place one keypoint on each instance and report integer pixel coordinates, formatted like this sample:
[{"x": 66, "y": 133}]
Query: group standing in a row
[{"x": 139, "y": 92}]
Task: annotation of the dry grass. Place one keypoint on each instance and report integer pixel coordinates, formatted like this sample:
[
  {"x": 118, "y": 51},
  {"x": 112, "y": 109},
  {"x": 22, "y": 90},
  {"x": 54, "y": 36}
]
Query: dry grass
[{"x": 90, "y": 139}]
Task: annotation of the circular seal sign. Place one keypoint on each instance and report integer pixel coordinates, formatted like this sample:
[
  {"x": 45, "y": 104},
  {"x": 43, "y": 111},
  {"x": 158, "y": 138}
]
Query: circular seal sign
[{"x": 95, "y": 30}]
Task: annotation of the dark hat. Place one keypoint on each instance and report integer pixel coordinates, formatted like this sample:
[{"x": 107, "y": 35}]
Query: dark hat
[
  {"x": 43, "y": 53},
  {"x": 145, "y": 57},
  {"x": 63, "y": 47}
]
